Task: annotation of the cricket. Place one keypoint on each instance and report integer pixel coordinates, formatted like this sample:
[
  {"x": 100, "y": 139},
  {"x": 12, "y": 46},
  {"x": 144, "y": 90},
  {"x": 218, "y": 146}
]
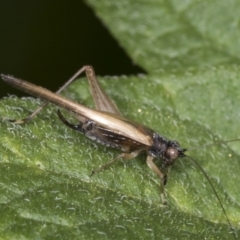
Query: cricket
[{"x": 108, "y": 127}]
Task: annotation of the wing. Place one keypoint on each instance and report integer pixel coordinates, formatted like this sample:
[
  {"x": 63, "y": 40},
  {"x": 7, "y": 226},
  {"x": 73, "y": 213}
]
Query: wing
[
  {"x": 121, "y": 126},
  {"x": 111, "y": 121},
  {"x": 110, "y": 139},
  {"x": 104, "y": 135}
]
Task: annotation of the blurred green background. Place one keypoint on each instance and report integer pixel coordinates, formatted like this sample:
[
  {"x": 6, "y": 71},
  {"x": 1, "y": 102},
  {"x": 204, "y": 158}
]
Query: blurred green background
[{"x": 45, "y": 42}]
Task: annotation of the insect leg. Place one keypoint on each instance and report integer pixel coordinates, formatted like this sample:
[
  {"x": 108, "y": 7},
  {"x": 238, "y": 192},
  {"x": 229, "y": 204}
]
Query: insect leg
[
  {"x": 78, "y": 127},
  {"x": 162, "y": 176},
  {"x": 101, "y": 99},
  {"x": 28, "y": 118},
  {"x": 126, "y": 156}
]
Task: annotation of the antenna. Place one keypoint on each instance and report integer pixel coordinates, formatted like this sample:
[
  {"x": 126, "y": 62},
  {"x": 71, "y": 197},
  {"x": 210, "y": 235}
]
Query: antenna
[{"x": 215, "y": 192}]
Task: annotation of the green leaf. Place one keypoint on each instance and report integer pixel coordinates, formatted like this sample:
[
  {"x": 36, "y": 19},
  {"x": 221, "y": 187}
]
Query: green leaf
[
  {"x": 46, "y": 191},
  {"x": 174, "y": 34}
]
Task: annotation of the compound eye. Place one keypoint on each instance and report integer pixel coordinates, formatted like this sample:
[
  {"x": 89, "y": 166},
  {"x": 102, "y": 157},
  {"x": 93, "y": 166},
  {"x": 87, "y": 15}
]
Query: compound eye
[{"x": 172, "y": 153}]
